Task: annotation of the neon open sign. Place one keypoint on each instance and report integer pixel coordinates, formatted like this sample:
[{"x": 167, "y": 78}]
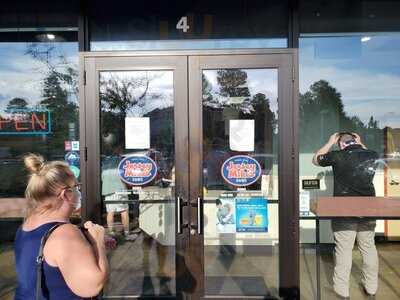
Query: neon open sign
[{"x": 25, "y": 121}]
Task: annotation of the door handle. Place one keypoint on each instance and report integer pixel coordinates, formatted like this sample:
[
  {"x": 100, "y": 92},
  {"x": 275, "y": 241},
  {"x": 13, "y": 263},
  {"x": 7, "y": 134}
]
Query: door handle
[
  {"x": 179, "y": 223},
  {"x": 198, "y": 215},
  {"x": 179, "y": 214}
]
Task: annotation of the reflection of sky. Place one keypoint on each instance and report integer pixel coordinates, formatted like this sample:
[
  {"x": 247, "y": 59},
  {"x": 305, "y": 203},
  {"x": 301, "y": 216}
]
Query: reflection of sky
[
  {"x": 263, "y": 81},
  {"x": 159, "y": 94},
  {"x": 367, "y": 74},
  {"x": 189, "y": 44},
  {"x": 22, "y": 76}
]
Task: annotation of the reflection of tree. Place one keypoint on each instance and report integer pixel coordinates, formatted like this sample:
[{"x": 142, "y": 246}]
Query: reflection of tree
[
  {"x": 63, "y": 112},
  {"x": 322, "y": 113},
  {"x": 233, "y": 83},
  {"x": 118, "y": 95},
  {"x": 59, "y": 92},
  {"x": 122, "y": 96},
  {"x": 206, "y": 88},
  {"x": 233, "y": 91},
  {"x": 234, "y": 101},
  {"x": 16, "y": 103},
  {"x": 56, "y": 64}
]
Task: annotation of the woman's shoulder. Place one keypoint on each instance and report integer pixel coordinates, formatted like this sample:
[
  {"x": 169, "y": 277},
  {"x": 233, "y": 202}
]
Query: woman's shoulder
[
  {"x": 66, "y": 232},
  {"x": 67, "y": 237}
]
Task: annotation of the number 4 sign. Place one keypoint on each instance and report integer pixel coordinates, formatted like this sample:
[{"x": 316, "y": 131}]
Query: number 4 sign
[{"x": 183, "y": 24}]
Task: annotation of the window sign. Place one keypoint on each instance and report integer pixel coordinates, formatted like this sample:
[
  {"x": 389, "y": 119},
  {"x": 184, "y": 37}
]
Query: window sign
[
  {"x": 73, "y": 160},
  {"x": 25, "y": 122},
  {"x": 226, "y": 215},
  {"x": 67, "y": 145},
  {"x": 241, "y": 170},
  {"x": 241, "y": 214},
  {"x": 137, "y": 133},
  {"x": 241, "y": 135},
  {"x": 75, "y": 145},
  {"x": 137, "y": 170},
  {"x": 304, "y": 201},
  {"x": 252, "y": 214},
  {"x": 310, "y": 184}
]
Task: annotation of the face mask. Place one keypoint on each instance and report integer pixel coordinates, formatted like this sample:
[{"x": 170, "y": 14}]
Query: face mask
[{"x": 78, "y": 203}]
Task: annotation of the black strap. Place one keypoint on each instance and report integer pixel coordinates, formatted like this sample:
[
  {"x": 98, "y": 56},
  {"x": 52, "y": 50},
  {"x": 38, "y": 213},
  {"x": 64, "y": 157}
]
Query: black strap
[{"x": 39, "y": 261}]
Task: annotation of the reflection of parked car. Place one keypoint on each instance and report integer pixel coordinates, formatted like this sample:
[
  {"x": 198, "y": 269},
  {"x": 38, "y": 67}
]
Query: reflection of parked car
[{"x": 164, "y": 165}]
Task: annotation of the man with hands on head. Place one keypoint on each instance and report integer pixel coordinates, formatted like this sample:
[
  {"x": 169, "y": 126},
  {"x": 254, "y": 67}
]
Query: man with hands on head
[{"x": 353, "y": 171}]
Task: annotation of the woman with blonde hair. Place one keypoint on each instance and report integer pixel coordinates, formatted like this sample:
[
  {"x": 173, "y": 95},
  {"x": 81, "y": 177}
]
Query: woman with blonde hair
[{"x": 72, "y": 266}]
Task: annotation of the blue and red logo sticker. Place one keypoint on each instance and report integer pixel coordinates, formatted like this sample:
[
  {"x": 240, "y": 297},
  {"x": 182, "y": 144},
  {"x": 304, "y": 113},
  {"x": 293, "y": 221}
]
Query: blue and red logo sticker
[
  {"x": 241, "y": 170},
  {"x": 137, "y": 170}
]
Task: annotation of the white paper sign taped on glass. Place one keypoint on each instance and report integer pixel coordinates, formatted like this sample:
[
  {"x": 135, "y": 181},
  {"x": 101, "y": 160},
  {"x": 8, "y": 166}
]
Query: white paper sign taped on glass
[
  {"x": 241, "y": 135},
  {"x": 137, "y": 133},
  {"x": 304, "y": 201},
  {"x": 75, "y": 145}
]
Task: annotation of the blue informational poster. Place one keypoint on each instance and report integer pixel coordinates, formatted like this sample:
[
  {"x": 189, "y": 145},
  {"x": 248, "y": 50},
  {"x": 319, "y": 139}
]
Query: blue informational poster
[{"x": 252, "y": 214}]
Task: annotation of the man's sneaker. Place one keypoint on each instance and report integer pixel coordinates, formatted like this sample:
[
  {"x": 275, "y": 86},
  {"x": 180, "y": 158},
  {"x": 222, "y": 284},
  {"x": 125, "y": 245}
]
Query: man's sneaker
[
  {"x": 338, "y": 296},
  {"x": 369, "y": 296},
  {"x": 130, "y": 236}
]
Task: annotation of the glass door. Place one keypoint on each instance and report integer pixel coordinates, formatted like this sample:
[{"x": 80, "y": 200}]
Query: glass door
[
  {"x": 136, "y": 112},
  {"x": 190, "y": 164},
  {"x": 242, "y": 175}
]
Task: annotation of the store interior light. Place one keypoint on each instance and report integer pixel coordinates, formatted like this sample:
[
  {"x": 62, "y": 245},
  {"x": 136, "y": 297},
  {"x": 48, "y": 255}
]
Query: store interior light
[
  {"x": 50, "y": 36},
  {"x": 365, "y": 39}
]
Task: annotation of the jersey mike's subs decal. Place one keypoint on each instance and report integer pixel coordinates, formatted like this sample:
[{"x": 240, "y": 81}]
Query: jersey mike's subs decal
[
  {"x": 137, "y": 170},
  {"x": 241, "y": 170}
]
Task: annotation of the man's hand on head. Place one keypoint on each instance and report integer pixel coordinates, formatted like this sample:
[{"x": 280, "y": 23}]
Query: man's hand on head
[
  {"x": 333, "y": 139},
  {"x": 357, "y": 137},
  {"x": 358, "y": 140}
]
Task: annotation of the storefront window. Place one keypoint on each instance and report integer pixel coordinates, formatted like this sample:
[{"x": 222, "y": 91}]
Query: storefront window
[
  {"x": 350, "y": 83},
  {"x": 38, "y": 113}
]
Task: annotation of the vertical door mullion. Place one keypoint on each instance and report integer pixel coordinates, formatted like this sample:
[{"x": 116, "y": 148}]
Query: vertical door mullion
[
  {"x": 92, "y": 209},
  {"x": 196, "y": 250},
  {"x": 182, "y": 173},
  {"x": 288, "y": 181}
]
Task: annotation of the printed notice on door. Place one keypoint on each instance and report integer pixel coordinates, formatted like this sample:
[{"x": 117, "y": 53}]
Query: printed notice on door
[
  {"x": 241, "y": 135},
  {"x": 137, "y": 133}
]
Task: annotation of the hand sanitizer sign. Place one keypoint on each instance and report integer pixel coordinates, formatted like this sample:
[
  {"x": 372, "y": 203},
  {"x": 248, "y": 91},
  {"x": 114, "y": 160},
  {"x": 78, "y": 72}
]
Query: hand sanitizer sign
[{"x": 241, "y": 170}]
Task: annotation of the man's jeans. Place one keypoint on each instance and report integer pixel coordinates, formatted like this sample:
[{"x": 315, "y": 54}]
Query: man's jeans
[{"x": 345, "y": 232}]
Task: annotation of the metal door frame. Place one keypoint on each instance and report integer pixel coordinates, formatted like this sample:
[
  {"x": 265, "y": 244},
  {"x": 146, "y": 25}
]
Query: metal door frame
[
  {"x": 188, "y": 137},
  {"x": 90, "y": 131}
]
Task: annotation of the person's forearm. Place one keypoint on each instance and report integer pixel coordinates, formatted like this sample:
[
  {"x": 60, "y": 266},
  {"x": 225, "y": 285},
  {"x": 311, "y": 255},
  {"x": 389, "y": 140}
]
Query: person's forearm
[
  {"x": 362, "y": 145},
  {"x": 324, "y": 149},
  {"x": 102, "y": 261}
]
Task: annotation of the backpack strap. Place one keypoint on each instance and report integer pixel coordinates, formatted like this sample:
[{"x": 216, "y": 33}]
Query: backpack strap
[{"x": 39, "y": 261}]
